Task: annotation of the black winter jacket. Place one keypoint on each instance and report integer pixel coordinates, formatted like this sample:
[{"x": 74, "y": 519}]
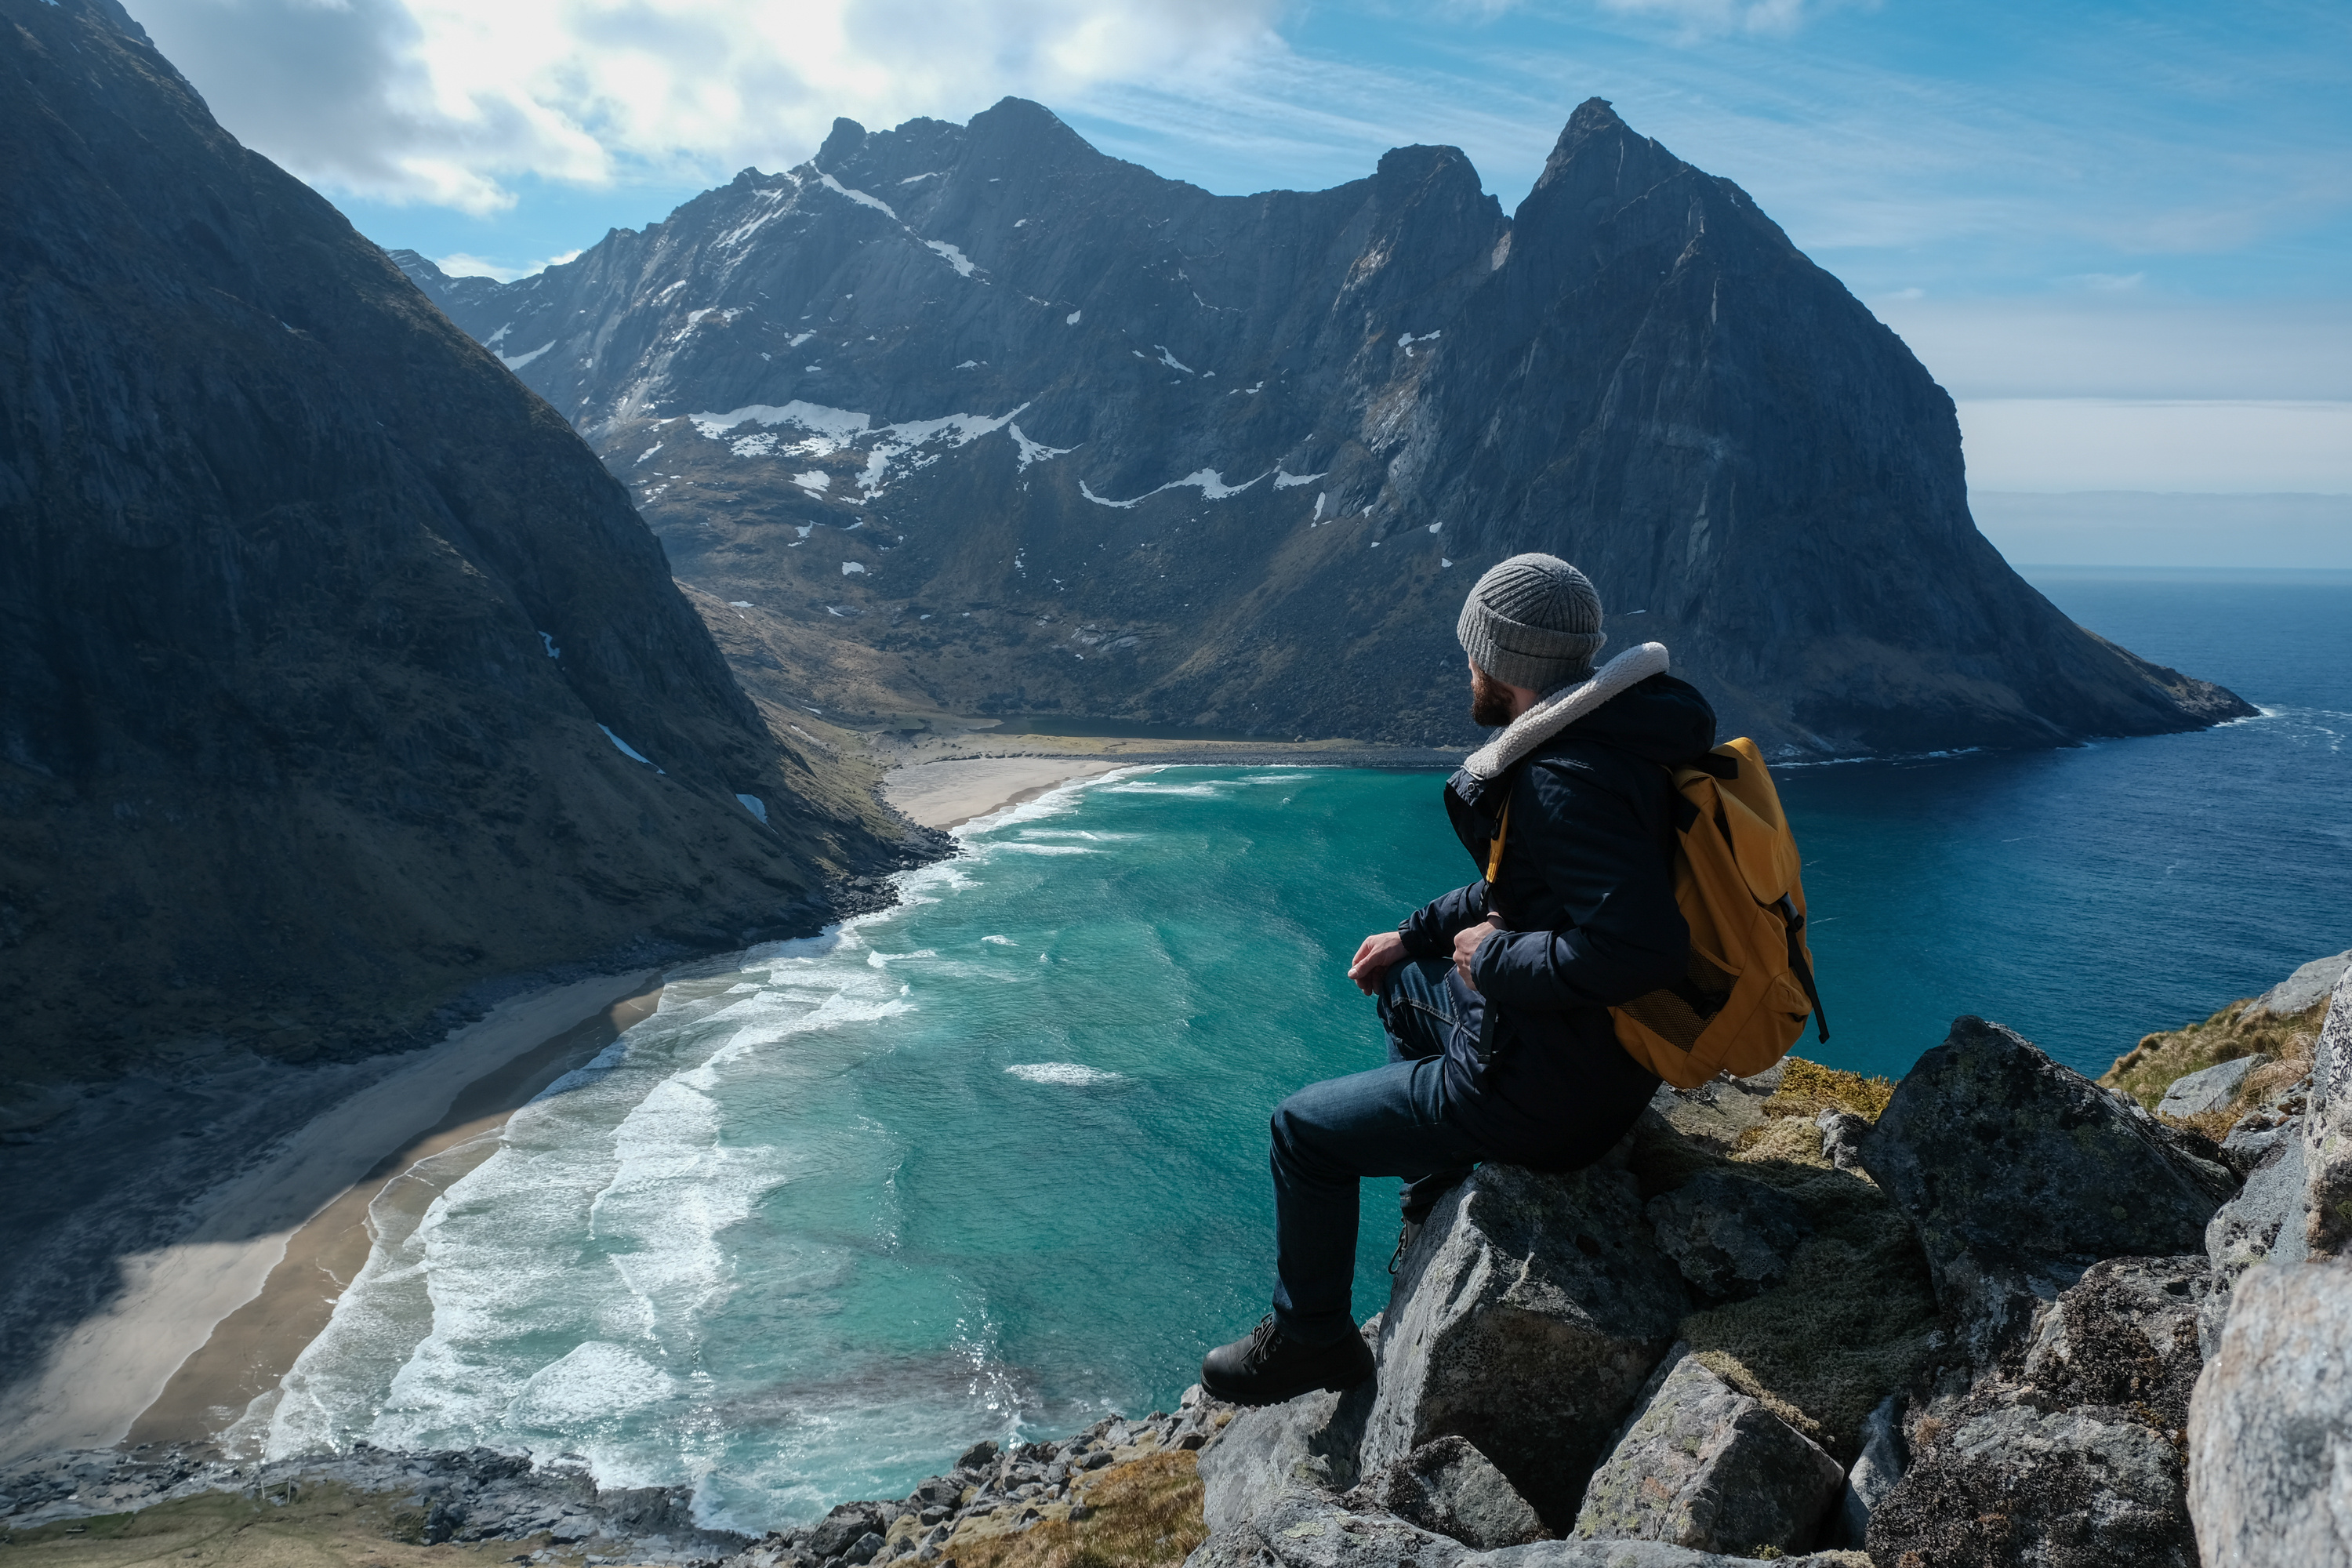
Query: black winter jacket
[{"x": 1585, "y": 893}]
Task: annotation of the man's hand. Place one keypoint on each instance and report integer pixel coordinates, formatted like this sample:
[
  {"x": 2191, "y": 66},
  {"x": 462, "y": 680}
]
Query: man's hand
[
  {"x": 1373, "y": 958},
  {"x": 1466, "y": 948}
]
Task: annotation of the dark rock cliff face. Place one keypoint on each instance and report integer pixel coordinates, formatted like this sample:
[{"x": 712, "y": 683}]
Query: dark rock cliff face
[
  {"x": 309, "y": 617},
  {"x": 974, "y": 418}
]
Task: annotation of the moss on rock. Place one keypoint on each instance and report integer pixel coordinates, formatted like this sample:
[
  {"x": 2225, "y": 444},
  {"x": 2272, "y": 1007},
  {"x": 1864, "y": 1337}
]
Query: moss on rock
[
  {"x": 2151, "y": 1067},
  {"x": 1143, "y": 1514},
  {"x": 1854, "y": 1319}
]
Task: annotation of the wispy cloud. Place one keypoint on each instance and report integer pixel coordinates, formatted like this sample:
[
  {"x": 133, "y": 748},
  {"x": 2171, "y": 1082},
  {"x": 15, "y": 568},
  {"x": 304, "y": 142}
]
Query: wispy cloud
[
  {"x": 1697, "y": 18},
  {"x": 446, "y": 101}
]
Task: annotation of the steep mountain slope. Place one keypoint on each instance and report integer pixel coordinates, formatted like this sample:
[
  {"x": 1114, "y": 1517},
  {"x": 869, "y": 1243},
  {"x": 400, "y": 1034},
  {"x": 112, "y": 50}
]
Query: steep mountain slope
[
  {"x": 977, "y": 419},
  {"x": 314, "y": 622}
]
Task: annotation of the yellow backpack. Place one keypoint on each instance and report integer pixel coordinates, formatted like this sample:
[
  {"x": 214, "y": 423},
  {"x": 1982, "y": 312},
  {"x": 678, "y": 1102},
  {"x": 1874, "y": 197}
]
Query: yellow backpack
[{"x": 1749, "y": 988}]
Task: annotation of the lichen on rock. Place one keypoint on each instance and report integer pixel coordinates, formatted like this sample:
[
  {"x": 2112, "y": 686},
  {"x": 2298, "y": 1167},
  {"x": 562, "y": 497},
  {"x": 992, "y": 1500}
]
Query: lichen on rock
[{"x": 1703, "y": 1466}]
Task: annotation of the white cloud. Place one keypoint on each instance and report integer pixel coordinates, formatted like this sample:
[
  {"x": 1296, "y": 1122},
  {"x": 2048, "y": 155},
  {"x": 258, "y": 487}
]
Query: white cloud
[
  {"x": 447, "y": 101},
  {"x": 1699, "y": 18},
  {"x": 460, "y": 264},
  {"x": 2096, "y": 444}
]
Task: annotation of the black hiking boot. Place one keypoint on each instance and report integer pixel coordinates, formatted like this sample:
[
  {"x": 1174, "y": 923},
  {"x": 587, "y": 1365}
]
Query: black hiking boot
[{"x": 1263, "y": 1367}]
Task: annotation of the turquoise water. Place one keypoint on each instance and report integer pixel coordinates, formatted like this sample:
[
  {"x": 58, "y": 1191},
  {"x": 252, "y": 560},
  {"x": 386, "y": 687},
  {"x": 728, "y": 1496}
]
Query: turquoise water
[{"x": 993, "y": 1163}]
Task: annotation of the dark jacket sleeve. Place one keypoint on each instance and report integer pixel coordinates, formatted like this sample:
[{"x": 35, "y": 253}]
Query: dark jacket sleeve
[
  {"x": 1429, "y": 931},
  {"x": 1594, "y": 847}
]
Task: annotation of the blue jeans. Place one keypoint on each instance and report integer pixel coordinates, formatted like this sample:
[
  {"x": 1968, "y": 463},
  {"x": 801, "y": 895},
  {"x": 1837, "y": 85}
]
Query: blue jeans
[{"x": 1390, "y": 1121}]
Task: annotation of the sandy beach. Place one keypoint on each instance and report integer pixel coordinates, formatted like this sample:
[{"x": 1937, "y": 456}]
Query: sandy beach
[
  {"x": 260, "y": 1259},
  {"x": 944, "y": 785},
  {"x": 950, "y": 794}
]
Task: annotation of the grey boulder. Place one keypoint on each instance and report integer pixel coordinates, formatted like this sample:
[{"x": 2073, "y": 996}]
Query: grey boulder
[
  {"x": 1704, "y": 1465},
  {"x": 2208, "y": 1088},
  {"x": 2019, "y": 1174},
  {"x": 1729, "y": 1235},
  {"x": 2270, "y": 1428},
  {"x": 1450, "y": 1487},
  {"x": 1305, "y": 1446},
  {"x": 2306, "y": 987},
  {"x": 1525, "y": 1317},
  {"x": 2327, "y": 1132}
]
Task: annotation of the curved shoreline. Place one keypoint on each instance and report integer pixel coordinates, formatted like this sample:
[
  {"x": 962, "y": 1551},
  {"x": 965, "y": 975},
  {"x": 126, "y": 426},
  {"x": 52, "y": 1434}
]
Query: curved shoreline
[{"x": 101, "y": 1381}]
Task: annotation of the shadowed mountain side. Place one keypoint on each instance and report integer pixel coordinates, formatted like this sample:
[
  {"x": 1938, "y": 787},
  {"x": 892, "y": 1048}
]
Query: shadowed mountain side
[
  {"x": 309, "y": 617},
  {"x": 980, "y": 419}
]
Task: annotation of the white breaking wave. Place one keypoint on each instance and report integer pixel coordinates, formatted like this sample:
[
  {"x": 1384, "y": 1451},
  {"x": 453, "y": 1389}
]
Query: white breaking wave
[{"x": 1063, "y": 1073}]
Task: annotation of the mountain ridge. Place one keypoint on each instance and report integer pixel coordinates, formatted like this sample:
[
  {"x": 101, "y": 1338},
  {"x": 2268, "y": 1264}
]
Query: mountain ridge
[{"x": 1053, "y": 435}]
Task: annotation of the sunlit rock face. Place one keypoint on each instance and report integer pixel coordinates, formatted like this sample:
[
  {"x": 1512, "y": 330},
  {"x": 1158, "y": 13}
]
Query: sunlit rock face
[{"x": 976, "y": 418}]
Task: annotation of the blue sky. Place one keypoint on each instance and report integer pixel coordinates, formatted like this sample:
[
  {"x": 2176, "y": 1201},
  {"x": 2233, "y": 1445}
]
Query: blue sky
[{"x": 2118, "y": 233}]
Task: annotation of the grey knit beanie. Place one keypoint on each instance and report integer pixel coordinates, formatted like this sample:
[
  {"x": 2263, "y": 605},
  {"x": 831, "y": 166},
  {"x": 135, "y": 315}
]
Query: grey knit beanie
[{"x": 1533, "y": 621}]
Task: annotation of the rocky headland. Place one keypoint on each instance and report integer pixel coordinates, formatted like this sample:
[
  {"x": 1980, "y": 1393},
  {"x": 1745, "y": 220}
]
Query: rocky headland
[{"x": 1994, "y": 1313}]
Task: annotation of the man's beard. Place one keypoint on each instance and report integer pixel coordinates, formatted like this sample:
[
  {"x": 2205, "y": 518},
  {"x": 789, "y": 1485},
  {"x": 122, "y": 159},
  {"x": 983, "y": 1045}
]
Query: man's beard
[{"x": 1490, "y": 699}]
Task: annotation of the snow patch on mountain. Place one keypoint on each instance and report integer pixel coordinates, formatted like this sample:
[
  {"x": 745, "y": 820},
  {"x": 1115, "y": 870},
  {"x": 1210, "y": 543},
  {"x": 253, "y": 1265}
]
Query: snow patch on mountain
[
  {"x": 860, "y": 197},
  {"x": 954, "y": 257}
]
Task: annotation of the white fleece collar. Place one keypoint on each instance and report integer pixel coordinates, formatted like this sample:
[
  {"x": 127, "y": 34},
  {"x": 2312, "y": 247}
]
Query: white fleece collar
[{"x": 1556, "y": 712}]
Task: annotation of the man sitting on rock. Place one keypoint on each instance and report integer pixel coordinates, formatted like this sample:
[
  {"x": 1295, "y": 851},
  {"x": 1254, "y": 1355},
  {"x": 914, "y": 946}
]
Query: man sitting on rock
[{"x": 1494, "y": 997}]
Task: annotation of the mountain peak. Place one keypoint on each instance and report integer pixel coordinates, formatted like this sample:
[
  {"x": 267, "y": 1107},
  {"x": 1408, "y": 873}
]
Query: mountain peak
[
  {"x": 1592, "y": 120},
  {"x": 1018, "y": 122},
  {"x": 1593, "y": 114},
  {"x": 845, "y": 142}
]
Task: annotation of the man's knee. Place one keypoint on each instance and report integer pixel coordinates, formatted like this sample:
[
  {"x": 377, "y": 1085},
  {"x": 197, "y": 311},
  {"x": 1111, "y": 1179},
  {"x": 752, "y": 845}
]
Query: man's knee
[{"x": 1285, "y": 1129}]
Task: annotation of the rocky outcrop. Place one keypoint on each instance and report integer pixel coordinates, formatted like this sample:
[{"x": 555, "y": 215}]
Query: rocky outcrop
[
  {"x": 1526, "y": 1317},
  {"x": 1524, "y": 1301},
  {"x": 975, "y": 418},
  {"x": 2021, "y": 1173},
  {"x": 2270, "y": 1427},
  {"x": 337, "y": 677},
  {"x": 2270, "y": 1434},
  {"x": 2047, "y": 1420},
  {"x": 2327, "y": 1132},
  {"x": 1703, "y": 1466},
  {"x": 2068, "y": 1454}
]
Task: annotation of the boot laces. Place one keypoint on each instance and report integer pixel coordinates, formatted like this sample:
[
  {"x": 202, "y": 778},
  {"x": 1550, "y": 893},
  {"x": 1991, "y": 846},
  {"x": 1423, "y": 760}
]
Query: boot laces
[{"x": 1262, "y": 1340}]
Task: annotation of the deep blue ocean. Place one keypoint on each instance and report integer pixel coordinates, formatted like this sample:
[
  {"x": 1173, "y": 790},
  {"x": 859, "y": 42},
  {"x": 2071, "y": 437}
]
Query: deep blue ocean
[{"x": 993, "y": 1163}]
